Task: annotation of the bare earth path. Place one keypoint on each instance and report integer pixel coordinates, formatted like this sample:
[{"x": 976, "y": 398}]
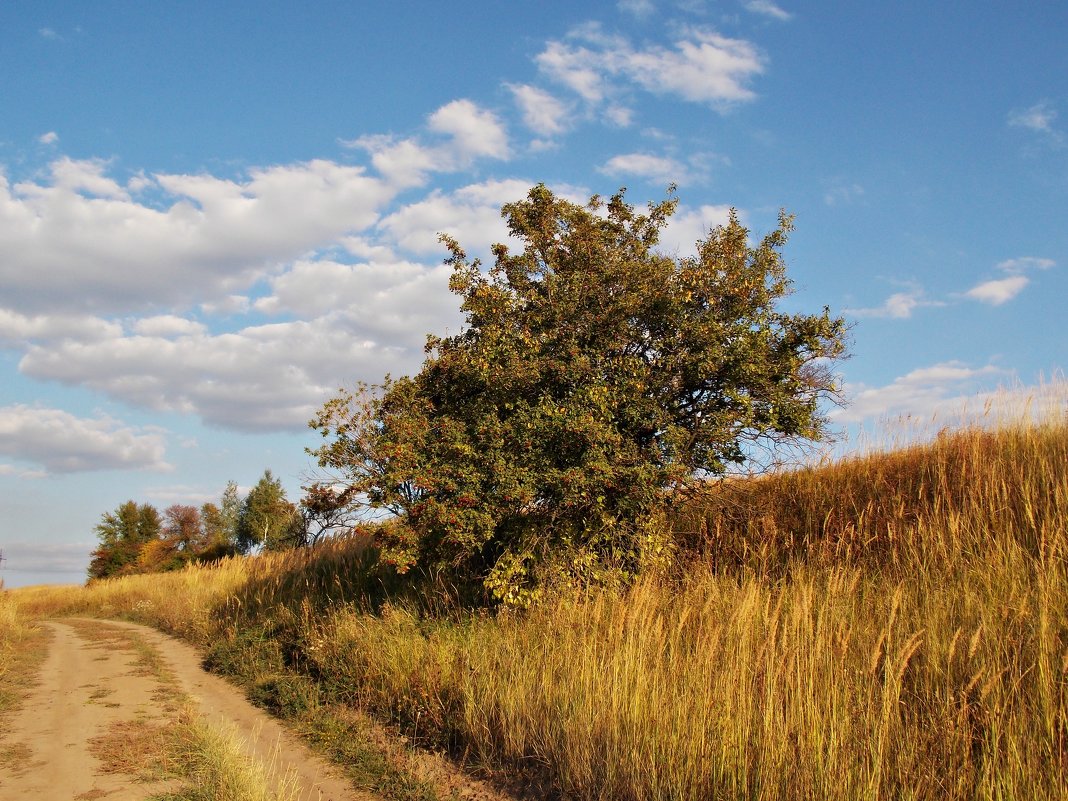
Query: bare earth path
[{"x": 89, "y": 685}]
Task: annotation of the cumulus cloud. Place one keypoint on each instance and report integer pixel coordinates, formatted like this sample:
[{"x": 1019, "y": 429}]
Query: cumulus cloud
[
  {"x": 921, "y": 393},
  {"x": 689, "y": 225},
  {"x": 899, "y": 306},
  {"x": 702, "y": 66},
  {"x": 543, "y": 113},
  {"x": 393, "y": 302},
  {"x": 471, "y": 214},
  {"x": 347, "y": 321},
  {"x": 476, "y": 132},
  {"x": 619, "y": 116},
  {"x": 18, "y": 329},
  {"x": 768, "y": 9},
  {"x": 470, "y": 132},
  {"x": 49, "y": 138},
  {"x": 260, "y": 378},
  {"x": 645, "y": 165},
  {"x": 997, "y": 291},
  {"x": 167, "y": 325},
  {"x": 63, "y": 443},
  {"x": 576, "y": 68},
  {"x": 231, "y": 304},
  {"x": 79, "y": 243}
]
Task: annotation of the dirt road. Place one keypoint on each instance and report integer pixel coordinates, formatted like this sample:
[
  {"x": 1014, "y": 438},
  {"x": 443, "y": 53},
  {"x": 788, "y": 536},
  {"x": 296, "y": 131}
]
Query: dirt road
[{"x": 69, "y": 734}]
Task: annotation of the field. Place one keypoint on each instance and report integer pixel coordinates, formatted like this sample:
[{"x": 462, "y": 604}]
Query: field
[{"x": 886, "y": 626}]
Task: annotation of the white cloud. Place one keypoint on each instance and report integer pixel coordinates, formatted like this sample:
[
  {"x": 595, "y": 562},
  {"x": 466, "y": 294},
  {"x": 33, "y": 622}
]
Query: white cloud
[
  {"x": 768, "y": 9},
  {"x": 702, "y": 66},
  {"x": 1039, "y": 117},
  {"x": 471, "y": 214},
  {"x": 403, "y": 162},
  {"x": 619, "y": 116},
  {"x": 576, "y": 68},
  {"x": 167, "y": 326},
  {"x": 78, "y": 243},
  {"x": 63, "y": 443},
  {"x": 49, "y": 138},
  {"x": 471, "y": 133},
  {"x": 48, "y": 33},
  {"x": 267, "y": 377},
  {"x": 17, "y": 329},
  {"x": 688, "y": 225},
  {"x": 399, "y": 302},
  {"x": 999, "y": 290},
  {"x": 645, "y": 165},
  {"x": 231, "y": 304},
  {"x": 899, "y": 306},
  {"x": 542, "y": 112},
  {"x": 1023, "y": 263},
  {"x": 920, "y": 394},
  {"x": 85, "y": 176},
  {"x": 476, "y": 132}
]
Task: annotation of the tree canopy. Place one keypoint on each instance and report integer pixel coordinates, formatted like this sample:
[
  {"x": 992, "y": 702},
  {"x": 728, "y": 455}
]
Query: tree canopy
[
  {"x": 135, "y": 538},
  {"x": 595, "y": 375},
  {"x": 267, "y": 519},
  {"x": 122, "y": 534}
]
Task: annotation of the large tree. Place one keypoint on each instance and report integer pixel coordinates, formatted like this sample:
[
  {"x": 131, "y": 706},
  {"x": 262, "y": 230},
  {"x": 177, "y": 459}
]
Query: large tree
[{"x": 595, "y": 375}]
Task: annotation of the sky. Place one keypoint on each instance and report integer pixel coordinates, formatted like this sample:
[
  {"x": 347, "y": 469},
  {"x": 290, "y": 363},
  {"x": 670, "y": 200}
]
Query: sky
[{"x": 214, "y": 215}]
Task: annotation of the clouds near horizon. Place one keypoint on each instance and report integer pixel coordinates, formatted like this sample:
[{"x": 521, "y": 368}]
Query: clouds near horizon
[{"x": 63, "y": 443}]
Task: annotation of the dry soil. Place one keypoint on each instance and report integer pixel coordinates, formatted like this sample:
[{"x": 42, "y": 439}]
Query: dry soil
[{"x": 92, "y": 684}]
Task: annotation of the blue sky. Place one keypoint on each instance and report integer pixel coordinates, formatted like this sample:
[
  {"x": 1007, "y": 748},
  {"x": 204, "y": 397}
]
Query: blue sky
[{"x": 213, "y": 215}]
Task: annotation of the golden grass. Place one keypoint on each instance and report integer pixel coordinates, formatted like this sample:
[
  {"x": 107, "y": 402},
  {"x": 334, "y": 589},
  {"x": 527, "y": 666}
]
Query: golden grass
[
  {"x": 890, "y": 626},
  {"x": 216, "y": 769}
]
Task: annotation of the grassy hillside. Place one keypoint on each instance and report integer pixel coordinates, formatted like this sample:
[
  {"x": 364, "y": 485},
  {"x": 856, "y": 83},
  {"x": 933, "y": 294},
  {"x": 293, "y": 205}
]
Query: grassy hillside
[{"x": 893, "y": 626}]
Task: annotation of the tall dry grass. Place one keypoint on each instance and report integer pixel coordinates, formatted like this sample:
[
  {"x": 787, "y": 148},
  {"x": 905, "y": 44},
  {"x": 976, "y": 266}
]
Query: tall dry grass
[
  {"x": 892, "y": 626},
  {"x": 14, "y": 629}
]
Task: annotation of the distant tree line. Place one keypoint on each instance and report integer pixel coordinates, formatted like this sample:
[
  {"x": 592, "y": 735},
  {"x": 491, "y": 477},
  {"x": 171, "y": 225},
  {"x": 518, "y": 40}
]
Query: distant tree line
[{"x": 138, "y": 538}]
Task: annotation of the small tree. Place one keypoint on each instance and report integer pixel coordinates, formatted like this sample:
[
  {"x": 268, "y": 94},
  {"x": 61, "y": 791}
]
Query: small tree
[
  {"x": 324, "y": 509},
  {"x": 594, "y": 377},
  {"x": 183, "y": 526},
  {"x": 122, "y": 534},
  {"x": 267, "y": 518}
]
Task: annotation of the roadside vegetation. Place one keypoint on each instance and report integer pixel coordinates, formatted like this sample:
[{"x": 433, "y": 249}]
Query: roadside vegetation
[
  {"x": 886, "y": 626},
  {"x": 137, "y": 538},
  {"x": 22, "y": 647}
]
